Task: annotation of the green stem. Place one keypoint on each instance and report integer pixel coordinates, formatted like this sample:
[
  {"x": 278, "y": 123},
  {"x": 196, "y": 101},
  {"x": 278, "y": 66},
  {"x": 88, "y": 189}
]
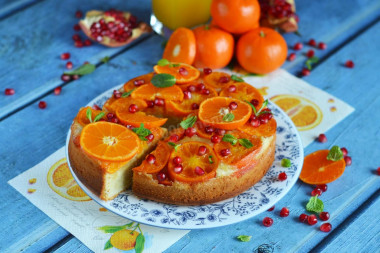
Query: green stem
[
  {"x": 138, "y": 225},
  {"x": 262, "y": 34}
]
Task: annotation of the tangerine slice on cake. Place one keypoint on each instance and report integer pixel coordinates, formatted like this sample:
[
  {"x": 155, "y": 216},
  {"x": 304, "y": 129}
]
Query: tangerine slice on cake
[
  {"x": 161, "y": 153},
  {"x": 218, "y": 80},
  {"x": 243, "y": 91},
  {"x": 138, "y": 118},
  {"x": 264, "y": 130},
  {"x": 82, "y": 115},
  {"x": 150, "y": 92},
  {"x": 183, "y": 73},
  {"x": 138, "y": 81}
]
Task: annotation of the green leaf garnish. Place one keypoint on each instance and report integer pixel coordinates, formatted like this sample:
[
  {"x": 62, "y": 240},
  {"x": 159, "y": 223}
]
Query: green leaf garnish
[
  {"x": 228, "y": 117},
  {"x": 188, "y": 122},
  {"x": 244, "y": 238},
  {"x": 108, "y": 245},
  {"x": 175, "y": 146},
  {"x": 230, "y": 138},
  {"x": 315, "y": 205},
  {"x": 105, "y": 59},
  {"x": 140, "y": 241},
  {"x": 252, "y": 106},
  {"x": 99, "y": 116},
  {"x": 163, "y": 80},
  {"x": 127, "y": 94},
  {"x": 142, "y": 132},
  {"x": 311, "y": 61},
  {"x": 210, "y": 159},
  {"x": 89, "y": 114},
  {"x": 163, "y": 62},
  {"x": 245, "y": 143},
  {"x": 236, "y": 78},
  {"x": 175, "y": 65},
  {"x": 335, "y": 154},
  {"x": 286, "y": 163},
  {"x": 85, "y": 69}
]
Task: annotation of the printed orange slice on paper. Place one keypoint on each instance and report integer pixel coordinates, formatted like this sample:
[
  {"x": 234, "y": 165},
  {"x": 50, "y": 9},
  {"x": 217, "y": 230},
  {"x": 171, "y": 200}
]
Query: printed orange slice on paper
[
  {"x": 181, "y": 46},
  {"x": 244, "y": 92},
  {"x": 304, "y": 113},
  {"x": 195, "y": 168},
  {"x": 216, "y": 112},
  {"x": 109, "y": 142},
  {"x": 162, "y": 153},
  {"x": 138, "y": 118},
  {"x": 218, "y": 80},
  {"x": 61, "y": 181},
  {"x": 264, "y": 130},
  {"x": 183, "y": 73},
  {"x": 137, "y": 82},
  {"x": 318, "y": 170},
  {"x": 82, "y": 118},
  {"x": 150, "y": 92},
  {"x": 124, "y": 239},
  {"x": 124, "y": 103}
]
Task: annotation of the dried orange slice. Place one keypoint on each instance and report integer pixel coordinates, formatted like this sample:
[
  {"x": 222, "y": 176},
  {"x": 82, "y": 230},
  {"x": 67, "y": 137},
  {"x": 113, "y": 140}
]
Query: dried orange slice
[
  {"x": 264, "y": 130},
  {"x": 124, "y": 103},
  {"x": 138, "y": 81},
  {"x": 161, "y": 153},
  {"x": 194, "y": 167},
  {"x": 183, "y": 73},
  {"x": 82, "y": 118},
  {"x": 218, "y": 112},
  {"x": 150, "y": 92},
  {"x": 109, "y": 142},
  {"x": 218, "y": 80},
  {"x": 244, "y": 92},
  {"x": 138, "y": 118},
  {"x": 318, "y": 170},
  {"x": 181, "y": 46}
]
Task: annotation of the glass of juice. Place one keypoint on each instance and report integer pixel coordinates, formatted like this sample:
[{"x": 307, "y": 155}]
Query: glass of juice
[{"x": 171, "y": 14}]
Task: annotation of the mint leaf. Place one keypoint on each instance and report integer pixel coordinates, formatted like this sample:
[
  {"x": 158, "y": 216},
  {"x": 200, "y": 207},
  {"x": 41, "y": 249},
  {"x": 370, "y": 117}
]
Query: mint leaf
[
  {"x": 99, "y": 116},
  {"x": 230, "y": 138},
  {"x": 163, "y": 80},
  {"x": 244, "y": 238},
  {"x": 175, "y": 65},
  {"x": 85, "y": 69},
  {"x": 127, "y": 94},
  {"x": 163, "y": 62},
  {"x": 228, "y": 117},
  {"x": 89, "y": 114},
  {"x": 286, "y": 163},
  {"x": 335, "y": 154},
  {"x": 175, "y": 146},
  {"x": 236, "y": 78},
  {"x": 311, "y": 61},
  {"x": 259, "y": 112},
  {"x": 315, "y": 205},
  {"x": 245, "y": 143},
  {"x": 188, "y": 122},
  {"x": 140, "y": 241},
  {"x": 105, "y": 59},
  {"x": 210, "y": 159},
  {"x": 108, "y": 245},
  {"x": 142, "y": 132},
  {"x": 253, "y": 107}
]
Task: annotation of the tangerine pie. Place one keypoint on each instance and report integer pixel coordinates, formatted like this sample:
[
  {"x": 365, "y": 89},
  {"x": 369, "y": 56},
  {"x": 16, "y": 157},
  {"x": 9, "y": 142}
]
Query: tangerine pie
[{"x": 177, "y": 136}]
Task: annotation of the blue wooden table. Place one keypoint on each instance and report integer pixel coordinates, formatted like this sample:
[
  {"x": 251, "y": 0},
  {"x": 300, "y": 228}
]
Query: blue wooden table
[{"x": 34, "y": 33}]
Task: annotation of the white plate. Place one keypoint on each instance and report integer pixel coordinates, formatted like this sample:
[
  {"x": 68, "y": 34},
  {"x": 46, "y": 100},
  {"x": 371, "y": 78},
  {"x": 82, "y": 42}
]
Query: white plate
[{"x": 254, "y": 201}]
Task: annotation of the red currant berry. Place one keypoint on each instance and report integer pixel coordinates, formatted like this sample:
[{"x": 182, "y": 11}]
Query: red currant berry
[
  {"x": 298, "y": 46},
  {"x": 151, "y": 159},
  {"x": 348, "y": 160},
  {"x": 349, "y": 64},
  {"x": 323, "y": 187},
  {"x": 42, "y": 104},
  {"x": 207, "y": 71},
  {"x": 325, "y": 227},
  {"x": 199, "y": 171},
  {"x": 202, "y": 150},
  {"x": 282, "y": 176},
  {"x": 344, "y": 151},
  {"x": 322, "y": 45},
  {"x": 312, "y": 42},
  {"x": 150, "y": 137},
  {"x": 322, "y": 138},
  {"x": 9, "y": 91},
  {"x": 57, "y": 90},
  {"x": 133, "y": 108},
  {"x": 267, "y": 221},
  {"x": 316, "y": 192},
  {"x": 233, "y": 106},
  {"x": 215, "y": 139},
  {"x": 225, "y": 152},
  {"x": 305, "y": 72},
  {"x": 284, "y": 212},
  {"x": 292, "y": 57},
  {"x": 310, "y": 53},
  {"x": 177, "y": 160},
  {"x": 324, "y": 216},
  {"x": 303, "y": 217},
  {"x": 271, "y": 209},
  {"x": 190, "y": 131},
  {"x": 312, "y": 219}
]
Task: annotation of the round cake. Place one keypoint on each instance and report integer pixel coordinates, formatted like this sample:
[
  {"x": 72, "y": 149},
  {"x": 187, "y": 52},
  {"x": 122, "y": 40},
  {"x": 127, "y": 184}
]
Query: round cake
[{"x": 178, "y": 135}]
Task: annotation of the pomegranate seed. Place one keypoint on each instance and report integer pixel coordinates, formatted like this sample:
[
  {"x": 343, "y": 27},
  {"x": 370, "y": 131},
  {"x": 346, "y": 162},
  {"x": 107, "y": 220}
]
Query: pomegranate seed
[
  {"x": 199, "y": 171},
  {"x": 159, "y": 102},
  {"x": 87, "y": 43},
  {"x": 69, "y": 65},
  {"x": 305, "y": 72},
  {"x": 42, "y": 104},
  {"x": 378, "y": 171},
  {"x": 78, "y": 43},
  {"x": 65, "y": 78},
  {"x": 322, "y": 45},
  {"x": 116, "y": 94},
  {"x": 284, "y": 212},
  {"x": 150, "y": 104},
  {"x": 207, "y": 71},
  {"x": 292, "y": 57},
  {"x": 349, "y": 64},
  {"x": 224, "y": 79},
  {"x": 271, "y": 209},
  {"x": 267, "y": 221},
  {"x": 348, "y": 160},
  {"x": 344, "y": 151},
  {"x": 96, "y": 107},
  {"x": 65, "y": 56},
  {"x": 209, "y": 129},
  {"x": 255, "y": 102},
  {"x": 312, "y": 219},
  {"x": 194, "y": 106},
  {"x": 161, "y": 176},
  {"x": 282, "y": 176},
  {"x": 190, "y": 131},
  {"x": 133, "y": 108},
  {"x": 114, "y": 120},
  {"x": 151, "y": 159},
  {"x": 110, "y": 115},
  {"x": 200, "y": 86},
  {"x": 77, "y": 27},
  {"x": 78, "y": 14},
  {"x": 233, "y": 106},
  {"x": 215, "y": 139},
  {"x": 232, "y": 88},
  {"x": 310, "y": 53},
  {"x": 150, "y": 137},
  {"x": 225, "y": 152},
  {"x": 323, "y": 187},
  {"x": 183, "y": 71},
  {"x": 174, "y": 138},
  {"x": 312, "y": 42},
  {"x": 325, "y": 227},
  {"x": 138, "y": 82},
  {"x": 298, "y": 46},
  {"x": 191, "y": 88},
  {"x": 76, "y": 37},
  {"x": 322, "y": 138},
  {"x": 316, "y": 192},
  {"x": 303, "y": 217},
  {"x": 324, "y": 216},
  {"x": 177, "y": 160},
  {"x": 202, "y": 150},
  {"x": 263, "y": 119},
  {"x": 187, "y": 94},
  {"x": 255, "y": 122},
  {"x": 57, "y": 90},
  {"x": 205, "y": 92},
  {"x": 75, "y": 77},
  {"x": 220, "y": 132},
  {"x": 9, "y": 91},
  {"x": 178, "y": 168}
]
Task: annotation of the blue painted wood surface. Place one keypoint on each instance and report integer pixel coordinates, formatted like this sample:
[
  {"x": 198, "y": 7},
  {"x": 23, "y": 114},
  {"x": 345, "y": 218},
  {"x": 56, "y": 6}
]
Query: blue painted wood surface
[{"x": 336, "y": 25}]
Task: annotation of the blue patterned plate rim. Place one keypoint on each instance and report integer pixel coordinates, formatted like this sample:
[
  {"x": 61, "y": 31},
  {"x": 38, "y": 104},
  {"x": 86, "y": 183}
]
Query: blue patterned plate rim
[{"x": 259, "y": 198}]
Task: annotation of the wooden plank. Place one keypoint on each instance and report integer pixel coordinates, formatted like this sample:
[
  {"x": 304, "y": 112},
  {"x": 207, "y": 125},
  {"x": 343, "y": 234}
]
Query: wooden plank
[{"x": 10, "y": 7}]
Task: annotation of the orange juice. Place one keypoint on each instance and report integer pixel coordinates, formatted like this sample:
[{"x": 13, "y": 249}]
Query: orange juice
[{"x": 181, "y": 13}]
